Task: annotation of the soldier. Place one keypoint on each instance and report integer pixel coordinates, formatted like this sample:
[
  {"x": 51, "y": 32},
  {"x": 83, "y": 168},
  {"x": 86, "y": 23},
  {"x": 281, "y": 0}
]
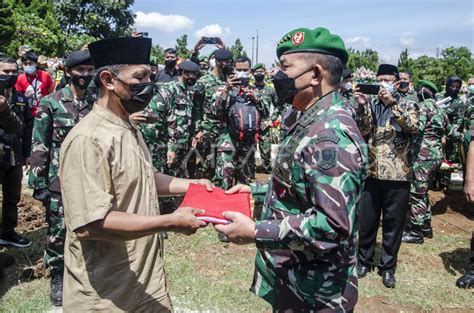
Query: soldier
[
  {"x": 467, "y": 280},
  {"x": 208, "y": 93},
  {"x": 307, "y": 236},
  {"x": 170, "y": 72},
  {"x": 113, "y": 254},
  {"x": 167, "y": 125},
  {"x": 428, "y": 155},
  {"x": 455, "y": 108},
  {"x": 469, "y": 105},
  {"x": 387, "y": 122},
  {"x": 346, "y": 84},
  {"x": 405, "y": 86},
  {"x": 16, "y": 123},
  {"x": 57, "y": 115},
  {"x": 270, "y": 109}
]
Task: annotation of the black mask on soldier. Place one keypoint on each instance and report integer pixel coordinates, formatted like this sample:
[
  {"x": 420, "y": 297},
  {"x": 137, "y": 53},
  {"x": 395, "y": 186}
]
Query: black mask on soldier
[
  {"x": 8, "y": 81},
  {"x": 140, "y": 96},
  {"x": 285, "y": 86},
  {"x": 403, "y": 85},
  {"x": 152, "y": 77},
  {"x": 259, "y": 77},
  {"x": 190, "y": 82},
  {"x": 170, "y": 63},
  {"x": 227, "y": 69},
  {"x": 81, "y": 81}
]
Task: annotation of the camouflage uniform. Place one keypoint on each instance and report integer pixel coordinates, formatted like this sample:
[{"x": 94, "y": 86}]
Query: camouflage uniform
[
  {"x": 307, "y": 235},
  {"x": 208, "y": 93},
  {"x": 57, "y": 114},
  {"x": 428, "y": 155},
  {"x": 270, "y": 110},
  {"x": 409, "y": 96}
]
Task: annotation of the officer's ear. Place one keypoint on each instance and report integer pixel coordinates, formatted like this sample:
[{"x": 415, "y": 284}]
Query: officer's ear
[
  {"x": 318, "y": 74},
  {"x": 106, "y": 79}
]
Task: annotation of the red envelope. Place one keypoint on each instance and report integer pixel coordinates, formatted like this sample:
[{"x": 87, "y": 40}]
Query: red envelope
[{"x": 215, "y": 203}]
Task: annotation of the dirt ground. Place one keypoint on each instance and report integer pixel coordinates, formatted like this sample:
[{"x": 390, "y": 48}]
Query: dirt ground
[{"x": 451, "y": 213}]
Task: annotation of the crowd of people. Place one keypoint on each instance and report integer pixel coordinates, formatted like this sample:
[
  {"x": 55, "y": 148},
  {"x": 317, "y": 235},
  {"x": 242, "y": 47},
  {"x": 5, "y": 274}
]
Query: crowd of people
[{"x": 107, "y": 131}]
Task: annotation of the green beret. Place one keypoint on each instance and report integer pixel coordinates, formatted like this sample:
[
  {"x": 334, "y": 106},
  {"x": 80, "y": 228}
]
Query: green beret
[
  {"x": 318, "y": 40},
  {"x": 258, "y": 66},
  {"x": 428, "y": 84}
]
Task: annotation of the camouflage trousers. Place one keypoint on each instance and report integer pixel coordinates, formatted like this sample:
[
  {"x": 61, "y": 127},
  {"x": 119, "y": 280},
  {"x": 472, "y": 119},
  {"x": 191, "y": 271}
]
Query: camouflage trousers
[
  {"x": 452, "y": 152},
  {"x": 424, "y": 173},
  {"x": 265, "y": 148},
  {"x": 235, "y": 162},
  {"x": 206, "y": 156},
  {"x": 54, "y": 251}
]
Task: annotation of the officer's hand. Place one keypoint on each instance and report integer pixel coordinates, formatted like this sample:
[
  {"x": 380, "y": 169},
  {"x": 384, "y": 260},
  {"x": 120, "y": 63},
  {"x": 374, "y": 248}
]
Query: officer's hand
[
  {"x": 184, "y": 220},
  {"x": 241, "y": 230},
  {"x": 220, "y": 44},
  {"x": 138, "y": 117},
  {"x": 3, "y": 103},
  {"x": 360, "y": 98},
  {"x": 238, "y": 189},
  {"x": 385, "y": 96},
  {"x": 204, "y": 182},
  {"x": 249, "y": 93},
  {"x": 170, "y": 157},
  {"x": 232, "y": 81},
  {"x": 42, "y": 195},
  {"x": 199, "y": 45}
]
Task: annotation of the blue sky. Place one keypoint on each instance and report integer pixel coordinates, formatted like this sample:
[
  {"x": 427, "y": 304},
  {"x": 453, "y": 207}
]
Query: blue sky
[{"x": 422, "y": 26}]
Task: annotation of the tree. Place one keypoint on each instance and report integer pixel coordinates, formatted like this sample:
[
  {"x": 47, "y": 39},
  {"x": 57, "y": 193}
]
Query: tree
[
  {"x": 94, "y": 19},
  {"x": 367, "y": 58},
  {"x": 405, "y": 63},
  {"x": 429, "y": 68},
  {"x": 237, "y": 49},
  {"x": 182, "y": 47},
  {"x": 457, "y": 61},
  {"x": 7, "y": 24},
  {"x": 37, "y": 26},
  {"x": 157, "y": 54}
]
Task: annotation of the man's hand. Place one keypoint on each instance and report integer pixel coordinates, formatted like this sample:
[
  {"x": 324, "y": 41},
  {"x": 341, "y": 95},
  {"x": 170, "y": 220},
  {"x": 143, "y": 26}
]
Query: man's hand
[
  {"x": 238, "y": 189},
  {"x": 184, "y": 221},
  {"x": 232, "y": 82},
  {"x": 385, "y": 97},
  {"x": 199, "y": 45},
  {"x": 241, "y": 230},
  {"x": 170, "y": 157},
  {"x": 138, "y": 117},
  {"x": 469, "y": 191},
  {"x": 360, "y": 98},
  {"x": 43, "y": 195},
  {"x": 204, "y": 182},
  {"x": 220, "y": 43},
  {"x": 3, "y": 103},
  {"x": 251, "y": 94}
]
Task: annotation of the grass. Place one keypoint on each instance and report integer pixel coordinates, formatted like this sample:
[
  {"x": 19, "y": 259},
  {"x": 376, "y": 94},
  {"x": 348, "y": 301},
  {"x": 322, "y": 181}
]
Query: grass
[{"x": 206, "y": 275}]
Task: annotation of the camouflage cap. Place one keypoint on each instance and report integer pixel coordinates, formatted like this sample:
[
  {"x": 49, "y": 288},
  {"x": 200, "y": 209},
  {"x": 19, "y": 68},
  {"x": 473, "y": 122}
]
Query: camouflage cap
[
  {"x": 42, "y": 59},
  {"x": 258, "y": 66},
  {"x": 428, "y": 84},
  {"x": 318, "y": 40}
]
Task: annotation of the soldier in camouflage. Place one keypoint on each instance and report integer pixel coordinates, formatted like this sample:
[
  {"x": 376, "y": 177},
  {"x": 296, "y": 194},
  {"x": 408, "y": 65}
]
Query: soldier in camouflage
[
  {"x": 307, "y": 235},
  {"x": 167, "y": 125},
  {"x": 405, "y": 86},
  {"x": 209, "y": 92},
  {"x": 56, "y": 116},
  {"x": 428, "y": 155},
  {"x": 271, "y": 107}
]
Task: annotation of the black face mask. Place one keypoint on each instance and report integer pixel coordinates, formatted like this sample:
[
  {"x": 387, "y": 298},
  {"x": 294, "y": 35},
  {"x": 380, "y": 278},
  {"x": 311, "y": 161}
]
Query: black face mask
[
  {"x": 190, "y": 82},
  {"x": 8, "y": 81},
  {"x": 76, "y": 80},
  {"x": 170, "y": 63},
  {"x": 403, "y": 85},
  {"x": 452, "y": 92},
  {"x": 140, "y": 96},
  {"x": 285, "y": 87},
  {"x": 227, "y": 69},
  {"x": 152, "y": 77},
  {"x": 259, "y": 77}
]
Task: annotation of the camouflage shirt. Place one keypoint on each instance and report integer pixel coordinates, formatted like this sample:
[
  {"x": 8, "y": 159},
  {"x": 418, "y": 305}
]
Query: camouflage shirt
[
  {"x": 433, "y": 125},
  {"x": 57, "y": 114},
  {"x": 269, "y": 105},
  {"x": 209, "y": 102},
  {"x": 388, "y": 131},
  {"x": 455, "y": 110},
  {"x": 171, "y": 111},
  {"x": 307, "y": 234}
]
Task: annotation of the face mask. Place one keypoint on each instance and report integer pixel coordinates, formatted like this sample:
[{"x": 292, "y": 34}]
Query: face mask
[
  {"x": 31, "y": 69},
  {"x": 453, "y": 92},
  {"x": 212, "y": 63},
  {"x": 470, "y": 88},
  {"x": 152, "y": 77},
  {"x": 81, "y": 81},
  {"x": 388, "y": 86},
  {"x": 170, "y": 63},
  {"x": 227, "y": 69},
  {"x": 347, "y": 86},
  {"x": 259, "y": 77},
  {"x": 403, "y": 85},
  {"x": 285, "y": 87},
  {"x": 190, "y": 82},
  {"x": 8, "y": 81},
  {"x": 140, "y": 96}
]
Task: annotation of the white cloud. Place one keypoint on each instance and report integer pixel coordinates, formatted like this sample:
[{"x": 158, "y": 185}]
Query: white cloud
[
  {"x": 359, "y": 42},
  {"x": 213, "y": 30},
  {"x": 165, "y": 23},
  {"x": 407, "y": 39}
]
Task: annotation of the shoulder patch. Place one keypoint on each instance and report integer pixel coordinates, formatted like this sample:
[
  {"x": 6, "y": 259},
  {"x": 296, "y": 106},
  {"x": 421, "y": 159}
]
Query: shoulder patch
[
  {"x": 326, "y": 158},
  {"x": 332, "y": 138}
]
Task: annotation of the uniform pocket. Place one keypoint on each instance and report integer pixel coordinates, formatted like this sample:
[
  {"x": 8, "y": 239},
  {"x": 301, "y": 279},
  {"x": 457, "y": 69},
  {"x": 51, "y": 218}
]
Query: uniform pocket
[{"x": 62, "y": 124}]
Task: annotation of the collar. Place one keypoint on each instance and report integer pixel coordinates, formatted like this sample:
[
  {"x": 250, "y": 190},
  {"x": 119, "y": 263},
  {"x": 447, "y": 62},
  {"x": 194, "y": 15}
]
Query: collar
[{"x": 111, "y": 117}]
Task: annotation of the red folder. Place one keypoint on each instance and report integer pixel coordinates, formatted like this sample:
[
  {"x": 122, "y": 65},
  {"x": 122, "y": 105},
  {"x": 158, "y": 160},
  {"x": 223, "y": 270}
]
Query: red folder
[{"x": 215, "y": 203}]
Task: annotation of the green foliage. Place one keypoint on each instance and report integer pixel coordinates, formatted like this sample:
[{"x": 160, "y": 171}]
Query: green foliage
[
  {"x": 458, "y": 61},
  {"x": 7, "y": 24},
  {"x": 428, "y": 68},
  {"x": 157, "y": 52},
  {"x": 405, "y": 63},
  {"x": 368, "y": 59},
  {"x": 182, "y": 47},
  {"x": 237, "y": 49}
]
